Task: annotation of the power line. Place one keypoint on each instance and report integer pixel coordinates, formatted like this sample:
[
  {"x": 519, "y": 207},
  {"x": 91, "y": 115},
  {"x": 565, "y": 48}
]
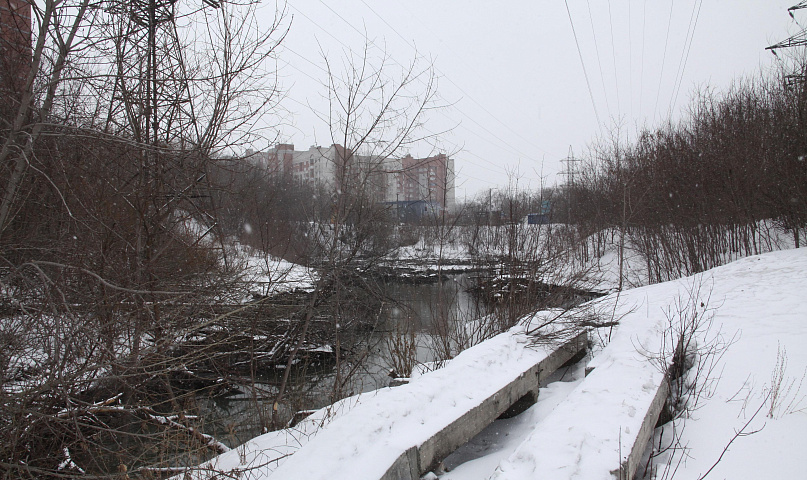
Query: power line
[
  {"x": 641, "y": 77},
  {"x": 343, "y": 44},
  {"x": 443, "y": 75},
  {"x": 488, "y": 135},
  {"x": 498, "y": 167},
  {"x": 678, "y": 71},
  {"x": 585, "y": 73},
  {"x": 501, "y": 143},
  {"x": 613, "y": 55},
  {"x": 599, "y": 63},
  {"x": 630, "y": 61},
  {"x": 456, "y": 56},
  {"x": 663, "y": 60},
  {"x": 674, "y": 100},
  {"x": 436, "y": 70},
  {"x": 302, "y": 57}
]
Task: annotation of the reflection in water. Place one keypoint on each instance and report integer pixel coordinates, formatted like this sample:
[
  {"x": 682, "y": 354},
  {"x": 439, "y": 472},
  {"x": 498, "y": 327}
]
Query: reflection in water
[
  {"x": 419, "y": 324},
  {"x": 424, "y": 305}
]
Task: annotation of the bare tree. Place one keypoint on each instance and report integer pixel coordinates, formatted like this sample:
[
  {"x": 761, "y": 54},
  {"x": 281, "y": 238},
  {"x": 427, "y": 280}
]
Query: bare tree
[
  {"x": 376, "y": 109},
  {"x": 693, "y": 195},
  {"x": 111, "y": 249}
]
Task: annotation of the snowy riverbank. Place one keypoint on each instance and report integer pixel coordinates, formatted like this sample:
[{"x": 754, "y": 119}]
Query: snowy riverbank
[
  {"x": 751, "y": 411},
  {"x": 755, "y": 319}
]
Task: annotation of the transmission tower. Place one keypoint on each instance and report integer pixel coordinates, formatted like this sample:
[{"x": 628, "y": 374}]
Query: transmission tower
[
  {"x": 797, "y": 40},
  {"x": 571, "y": 169}
]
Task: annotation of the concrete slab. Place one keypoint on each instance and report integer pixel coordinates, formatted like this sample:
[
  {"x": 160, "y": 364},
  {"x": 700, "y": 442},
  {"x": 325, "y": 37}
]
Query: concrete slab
[
  {"x": 403, "y": 432},
  {"x": 601, "y": 429}
]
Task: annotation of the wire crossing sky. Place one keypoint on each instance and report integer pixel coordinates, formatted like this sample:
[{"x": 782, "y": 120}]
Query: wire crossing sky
[{"x": 513, "y": 74}]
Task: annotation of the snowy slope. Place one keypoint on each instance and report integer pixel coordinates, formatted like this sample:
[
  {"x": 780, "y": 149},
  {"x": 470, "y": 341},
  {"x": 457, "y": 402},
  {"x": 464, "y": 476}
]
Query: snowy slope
[
  {"x": 366, "y": 441},
  {"x": 365, "y": 435},
  {"x": 271, "y": 275},
  {"x": 593, "y": 429},
  {"x": 762, "y": 304},
  {"x": 758, "y": 311}
]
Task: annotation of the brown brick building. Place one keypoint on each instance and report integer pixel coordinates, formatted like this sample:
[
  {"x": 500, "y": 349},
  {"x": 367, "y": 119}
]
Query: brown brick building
[
  {"x": 429, "y": 179},
  {"x": 15, "y": 46}
]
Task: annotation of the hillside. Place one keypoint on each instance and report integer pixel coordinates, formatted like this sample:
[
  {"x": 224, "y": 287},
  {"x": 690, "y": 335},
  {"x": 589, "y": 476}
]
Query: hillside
[{"x": 750, "y": 408}]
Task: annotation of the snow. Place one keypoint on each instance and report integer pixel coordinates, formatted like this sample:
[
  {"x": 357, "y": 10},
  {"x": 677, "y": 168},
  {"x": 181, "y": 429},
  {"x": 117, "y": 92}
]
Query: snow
[
  {"x": 262, "y": 455},
  {"x": 274, "y": 275},
  {"x": 762, "y": 305},
  {"x": 758, "y": 310},
  {"x": 747, "y": 422},
  {"x": 601, "y": 273},
  {"x": 432, "y": 252},
  {"x": 597, "y": 424},
  {"x": 478, "y": 458},
  {"x": 365, "y": 440}
]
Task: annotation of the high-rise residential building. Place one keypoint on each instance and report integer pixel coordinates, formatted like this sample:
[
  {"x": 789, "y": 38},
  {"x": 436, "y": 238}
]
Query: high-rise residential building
[
  {"x": 404, "y": 179},
  {"x": 428, "y": 179},
  {"x": 322, "y": 165}
]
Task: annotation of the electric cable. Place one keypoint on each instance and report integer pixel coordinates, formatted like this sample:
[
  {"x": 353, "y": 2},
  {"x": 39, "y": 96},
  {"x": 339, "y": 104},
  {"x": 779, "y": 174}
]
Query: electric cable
[
  {"x": 585, "y": 72},
  {"x": 613, "y": 55},
  {"x": 458, "y": 87},
  {"x": 685, "y": 58},
  {"x": 630, "y": 60},
  {"x": 641, "y": 75},
  {"x": 599, "y": 62},
  {"x": 663, "y": 60}
]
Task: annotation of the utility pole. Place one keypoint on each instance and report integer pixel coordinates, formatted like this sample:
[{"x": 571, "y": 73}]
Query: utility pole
[{"x": 151, "y": 14}]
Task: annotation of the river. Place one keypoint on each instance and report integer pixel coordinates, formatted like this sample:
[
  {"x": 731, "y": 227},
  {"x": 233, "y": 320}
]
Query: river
[{"x": 418, "y": 324}]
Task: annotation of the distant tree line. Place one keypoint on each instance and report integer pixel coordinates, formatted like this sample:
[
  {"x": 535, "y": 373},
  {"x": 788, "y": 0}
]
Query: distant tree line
[{"x": 692, "y": 194}]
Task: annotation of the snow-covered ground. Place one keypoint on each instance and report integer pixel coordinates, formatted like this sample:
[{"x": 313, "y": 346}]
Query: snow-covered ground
[
  {"x": 746, "y": 421},
  {"x": 756, "y": 409},
  {"x": 429, "y": 252},
  {"x": 271, "y": 275},
  {"x": 363, "y": 436},
  {"x": 752, "y": 409}
]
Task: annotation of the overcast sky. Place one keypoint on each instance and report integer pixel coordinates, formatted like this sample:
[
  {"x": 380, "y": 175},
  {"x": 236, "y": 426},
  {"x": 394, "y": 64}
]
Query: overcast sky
[{"x": 513, "y": 77}]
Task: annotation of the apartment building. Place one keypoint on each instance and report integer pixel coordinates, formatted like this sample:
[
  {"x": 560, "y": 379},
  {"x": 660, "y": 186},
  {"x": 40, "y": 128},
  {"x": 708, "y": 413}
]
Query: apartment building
[
  {"x": 429, "y": 179},
  {"x": 404, "y": 179}
]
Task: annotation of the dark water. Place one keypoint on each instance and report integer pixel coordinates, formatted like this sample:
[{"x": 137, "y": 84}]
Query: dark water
[{"x": 417, "y": 324}]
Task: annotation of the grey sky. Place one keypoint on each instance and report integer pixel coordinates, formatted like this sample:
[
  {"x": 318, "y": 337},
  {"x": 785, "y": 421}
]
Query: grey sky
[{"x": 512, "y": 72}]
